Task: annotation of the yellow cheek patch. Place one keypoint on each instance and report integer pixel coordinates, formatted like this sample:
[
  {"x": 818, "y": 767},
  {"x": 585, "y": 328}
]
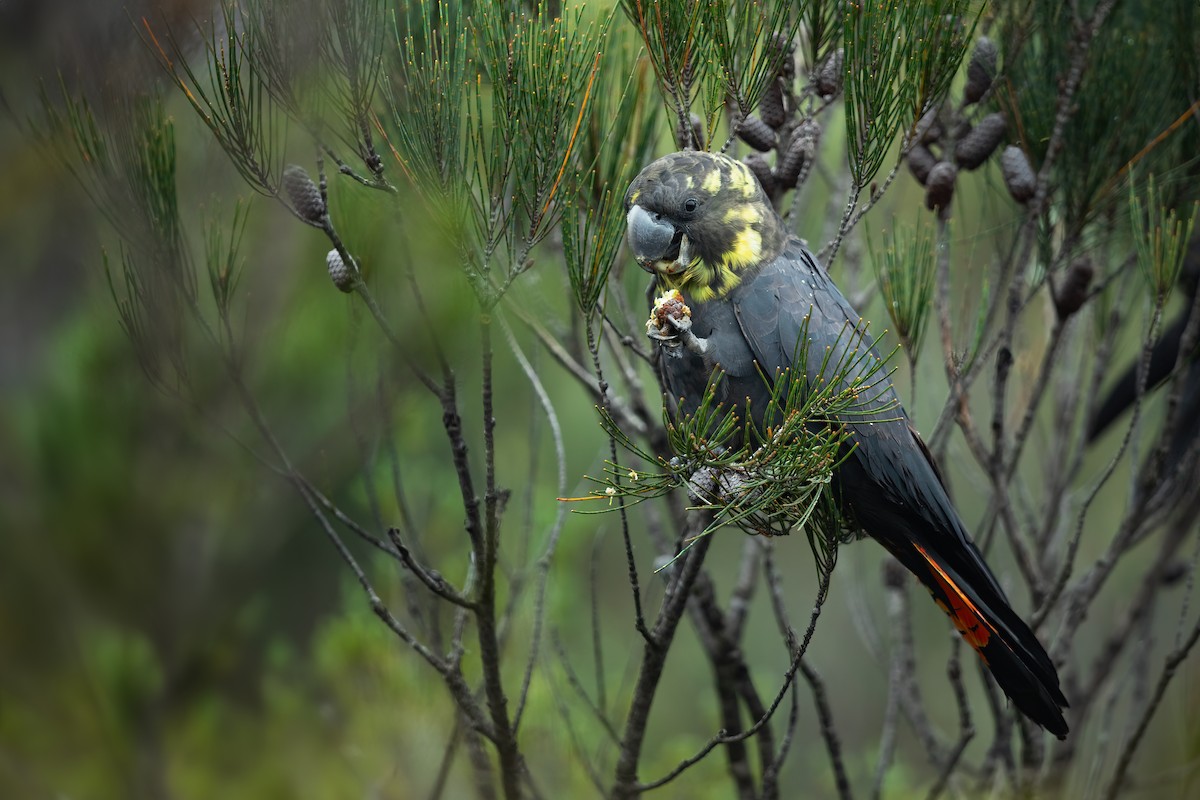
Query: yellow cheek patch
[
  {"x": 729, "y": 281},
  {"x": 722, "y": 282},
  {"x": 712, "y": 182},
  {"x": 703, "y": 282},
  {"x": 633, "y": 197},
  {"x": 746, "y": 249}
]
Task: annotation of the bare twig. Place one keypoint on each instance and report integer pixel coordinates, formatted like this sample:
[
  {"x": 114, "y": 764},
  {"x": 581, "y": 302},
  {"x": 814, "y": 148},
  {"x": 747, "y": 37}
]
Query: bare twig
[
  {"x": 828, "y": 731},
  {"x": 432, "y": 581},
  {"x": 966, "y": 729},
  {"x": 1172, "y": 664},
  {"x": 903, "y": 691},
  {"x": 654, "y": 659},
  {"x": 797, "y": 650},
  {"x": 564, "y": 714},
  {"x": 629, "y": 420},
  {"x": 485, "y": 615},
  {"x": 577, "y": 686},
  {"x": 630, "y": 560},
  {"x": 546, "y": 558}
]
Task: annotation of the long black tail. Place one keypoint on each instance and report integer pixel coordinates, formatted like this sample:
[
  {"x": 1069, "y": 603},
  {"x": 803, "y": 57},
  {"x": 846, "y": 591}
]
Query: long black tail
[{"x": 983, "y": 616}]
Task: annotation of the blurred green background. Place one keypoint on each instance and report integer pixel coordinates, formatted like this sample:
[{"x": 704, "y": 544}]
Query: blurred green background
[{"x": 174, "y": 624}]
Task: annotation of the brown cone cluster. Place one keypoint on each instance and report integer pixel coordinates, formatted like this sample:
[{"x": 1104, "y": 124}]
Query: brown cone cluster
[
  {"x": 947, "y": 140},
  {"x": 771, "y": 108},
  {"x": 778, "y": 127},
  {"x": 756, "y": 133}
]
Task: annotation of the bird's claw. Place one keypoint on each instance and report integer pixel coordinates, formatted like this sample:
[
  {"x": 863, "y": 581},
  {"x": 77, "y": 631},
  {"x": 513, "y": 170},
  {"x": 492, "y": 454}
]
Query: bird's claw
[
  {"x": 683, "y": 337},
  {"x": 669, "y": 339},
  {"x": 670, "y": 325},
  {"x": 681, "y": 324},
  {"x": 693, "y": 342},
  {"x": 669, "y": 343}
]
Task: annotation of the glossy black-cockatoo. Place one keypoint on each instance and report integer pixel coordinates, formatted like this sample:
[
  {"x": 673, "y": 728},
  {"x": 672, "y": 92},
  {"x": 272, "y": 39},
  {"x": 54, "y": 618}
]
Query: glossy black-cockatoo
[{"x": 701, "y": 224}]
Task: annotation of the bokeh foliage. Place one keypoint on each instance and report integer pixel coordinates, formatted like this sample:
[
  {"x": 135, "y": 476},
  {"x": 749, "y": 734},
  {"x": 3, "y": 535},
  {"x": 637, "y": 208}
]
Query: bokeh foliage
[{"x": 181, "y": 627}]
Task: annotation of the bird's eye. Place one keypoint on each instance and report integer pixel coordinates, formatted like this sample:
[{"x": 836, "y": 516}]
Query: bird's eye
[{"x": 691, "y": 204}]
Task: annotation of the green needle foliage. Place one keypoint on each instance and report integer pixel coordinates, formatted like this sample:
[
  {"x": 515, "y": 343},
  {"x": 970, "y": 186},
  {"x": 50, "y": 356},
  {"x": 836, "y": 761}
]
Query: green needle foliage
[
  {"x": 125, "y": 158},
  {"x": 904, "y": 272},
  {"x": 728, "y": 55},
  {"x": 352, "y": 44},
  {"x": 231, "y": 100},
  {"x": 543, "y": 70},
  {"x": 496, "y": 143},
  {"x": 148, "y": 151},
  {"x": 73, "y": 119},
  {"x": 619, "y": 138},
  {"x": 1161, "y": 236},
  {"x": 427, "y": 97},
  {"x": 281, "y": 41},
  {"x": 822, "y": 29},
  {"x": 1145, "y": 48},
  {"x": 221, "y": 256},
  {"x": 321, "y": 63},
  {"x": 771, "y": 480},
  {"x": 126, "y": 161},
  {"x": 743, "y": 43},
  {"x": 900, "y": 59},
  {"x": 678, "y": 49}
]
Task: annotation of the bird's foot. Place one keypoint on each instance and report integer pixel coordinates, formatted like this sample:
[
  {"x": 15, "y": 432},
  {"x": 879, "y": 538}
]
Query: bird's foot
[
  {"x": 670, "y": 343},
  {"x": 682, "y": 336},
  {"x": 691, "y": 341},
  {"x": 670, "y": 325}
]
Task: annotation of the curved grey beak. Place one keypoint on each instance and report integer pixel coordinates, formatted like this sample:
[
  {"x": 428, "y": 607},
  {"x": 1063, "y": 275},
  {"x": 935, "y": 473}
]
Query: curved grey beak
[{"x": 651, "y": 238}]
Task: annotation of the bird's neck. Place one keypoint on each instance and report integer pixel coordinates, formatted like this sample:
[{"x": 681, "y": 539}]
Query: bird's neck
[{"x": 753, "y": 247}]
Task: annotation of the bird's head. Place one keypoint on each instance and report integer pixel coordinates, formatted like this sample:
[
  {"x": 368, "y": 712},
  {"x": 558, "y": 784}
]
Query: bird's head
[{"x": 699, "y": 222}]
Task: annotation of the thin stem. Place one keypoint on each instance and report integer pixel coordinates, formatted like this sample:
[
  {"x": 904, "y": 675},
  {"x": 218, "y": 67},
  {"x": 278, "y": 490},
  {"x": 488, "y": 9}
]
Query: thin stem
[
  {"x": 431, "y": 580},
  {"x": 545, "y": 560},
  {"x": 485, "y": 613},
  {"x": 630, "y": 560},
  {"x": 798, "y": 651},
  {"x": 654, "y": 659},
  {"x": 1172, "y": 664},
  {"x": 828, "y": 732}
]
